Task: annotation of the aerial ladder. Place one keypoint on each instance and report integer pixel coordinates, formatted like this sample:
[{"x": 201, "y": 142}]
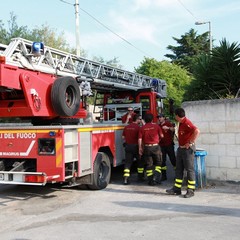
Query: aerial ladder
[{"x": 29, "y": 69}]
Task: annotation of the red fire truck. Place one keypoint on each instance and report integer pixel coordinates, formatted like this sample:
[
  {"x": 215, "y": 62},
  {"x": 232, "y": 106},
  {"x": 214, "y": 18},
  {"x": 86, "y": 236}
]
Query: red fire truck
[{"x": 54, "y": 138}]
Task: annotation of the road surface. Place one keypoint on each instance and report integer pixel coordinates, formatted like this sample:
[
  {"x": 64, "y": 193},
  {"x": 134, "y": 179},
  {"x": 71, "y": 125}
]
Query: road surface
[{"x": 119, "y": 212}]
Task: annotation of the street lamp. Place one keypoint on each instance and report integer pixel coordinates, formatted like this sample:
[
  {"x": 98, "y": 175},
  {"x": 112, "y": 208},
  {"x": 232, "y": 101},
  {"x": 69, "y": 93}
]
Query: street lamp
[{"x": 210, "y": 32}]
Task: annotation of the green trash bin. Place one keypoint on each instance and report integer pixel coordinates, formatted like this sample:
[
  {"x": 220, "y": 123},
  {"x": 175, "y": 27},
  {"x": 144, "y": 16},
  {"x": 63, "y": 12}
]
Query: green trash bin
[{"x": 200, "y": 169}]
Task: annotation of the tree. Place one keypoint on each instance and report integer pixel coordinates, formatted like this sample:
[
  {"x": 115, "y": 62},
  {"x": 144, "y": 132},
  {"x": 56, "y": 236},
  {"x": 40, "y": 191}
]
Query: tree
[
  {"x": 200, "y": 85},
  {"x": 49, "y": 36},
  {"x": 13, "y": 30},
  {"x": 3, "y": 33},
  {"x": 176, "y": 77},
  {"x": 112, "y": 62},
  {"x": 226, "y": 69},
  {"x": 190, "y": 45},
  {"x": 218, "y": 75}
]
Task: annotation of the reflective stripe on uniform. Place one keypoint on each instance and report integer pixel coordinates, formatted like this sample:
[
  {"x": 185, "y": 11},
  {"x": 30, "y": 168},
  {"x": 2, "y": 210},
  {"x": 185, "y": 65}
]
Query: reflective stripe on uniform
[
  {"x": 149, "y": 173},
  {"x": 191, "y": 184},
  {"x": 140, "y": 170},
  {"x": 158, "y": 169},
  {"x": 178, "y": 183},
  {"x": 164, "y": 168},
  {"x": 126, "y": 172}
]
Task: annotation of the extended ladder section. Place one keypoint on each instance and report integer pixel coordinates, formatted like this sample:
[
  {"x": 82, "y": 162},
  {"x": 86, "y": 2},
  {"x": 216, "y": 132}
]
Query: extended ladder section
[{"x": 24, "y": 54}]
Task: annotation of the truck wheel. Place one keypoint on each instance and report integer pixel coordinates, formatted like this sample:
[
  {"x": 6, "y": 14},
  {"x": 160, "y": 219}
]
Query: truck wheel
[
  {"x": 101, "y": 172},
  {"x": 65, "y": 96}
]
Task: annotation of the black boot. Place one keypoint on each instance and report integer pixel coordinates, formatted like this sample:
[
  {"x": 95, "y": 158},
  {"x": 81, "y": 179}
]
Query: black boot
[
  {"x": 174, "y": 191},
  {"x": 189, "y": 194},
  {"x": 140, "y": 177},
  {"x": 164, "y": 175},
  {"x": 151, "y": 182},
  {"x": 157, "y": 176}
]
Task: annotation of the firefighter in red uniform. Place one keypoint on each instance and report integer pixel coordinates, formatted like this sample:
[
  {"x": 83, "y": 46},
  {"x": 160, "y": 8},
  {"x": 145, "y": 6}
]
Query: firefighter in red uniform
[
  {"x": 149, "y": 137},
  {"x": 167, "y": 144},
  {"x": 187, "y": 134},
  {"x": 130, "y": 139},
  {"x": 128, "y": 117}
]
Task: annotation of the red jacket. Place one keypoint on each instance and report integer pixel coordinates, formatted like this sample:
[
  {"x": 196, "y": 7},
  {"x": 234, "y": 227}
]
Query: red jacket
[
  {"x": 150, "y": 133},
  {"x": 167, "y": 134}
]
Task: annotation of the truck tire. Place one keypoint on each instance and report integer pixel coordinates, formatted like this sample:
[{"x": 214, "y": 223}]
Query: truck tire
[
  {"x": 101, "y": 172},
  {"x": 65, "y": 96}
]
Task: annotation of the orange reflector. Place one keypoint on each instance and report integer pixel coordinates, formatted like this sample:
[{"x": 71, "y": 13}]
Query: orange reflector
[
  {"x": 35, "y": 178},
  {"x": 2, "y": 59}
]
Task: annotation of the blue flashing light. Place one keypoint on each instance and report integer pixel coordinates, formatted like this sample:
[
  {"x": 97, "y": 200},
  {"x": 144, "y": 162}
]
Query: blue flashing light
[
  {"x": 52, "y": 134},
  {"x": 154, "y": 82},
  {"x": 37, "y": 48}
]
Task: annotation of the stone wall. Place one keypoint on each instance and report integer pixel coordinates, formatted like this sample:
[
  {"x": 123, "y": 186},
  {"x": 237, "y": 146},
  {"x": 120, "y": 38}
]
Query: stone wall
[{"x": 219, "y": 123}]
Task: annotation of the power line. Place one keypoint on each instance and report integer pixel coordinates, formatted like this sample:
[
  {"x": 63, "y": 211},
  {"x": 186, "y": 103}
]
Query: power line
[
  {"x": 187, "y": 9},
  {"x": 66, "y": 2},
  {"x": 125, "y": 40}
]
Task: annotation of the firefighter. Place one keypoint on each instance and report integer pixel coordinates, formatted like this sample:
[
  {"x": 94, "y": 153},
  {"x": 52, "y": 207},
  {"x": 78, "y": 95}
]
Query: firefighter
[
  {"x": 130, "y": 142},
  {"x": 128, "y": 117},
  {"x": 167, "y": 144},
  {"x": 187, "y": 134},
  {"x": 149, "y": 137}
]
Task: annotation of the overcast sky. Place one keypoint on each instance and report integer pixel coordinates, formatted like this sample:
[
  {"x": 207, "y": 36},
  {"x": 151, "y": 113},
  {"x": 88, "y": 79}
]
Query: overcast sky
[{"x": 128, "y": 29}]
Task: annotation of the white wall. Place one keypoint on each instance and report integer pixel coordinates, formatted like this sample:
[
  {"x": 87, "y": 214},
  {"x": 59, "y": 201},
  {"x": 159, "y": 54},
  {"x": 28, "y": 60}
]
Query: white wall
[{"x": 219, "y": 123}]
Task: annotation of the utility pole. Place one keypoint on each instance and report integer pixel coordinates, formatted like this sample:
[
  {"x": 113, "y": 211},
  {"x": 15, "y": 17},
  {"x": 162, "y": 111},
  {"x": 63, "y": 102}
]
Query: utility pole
[{"x": 77, "y": 28}]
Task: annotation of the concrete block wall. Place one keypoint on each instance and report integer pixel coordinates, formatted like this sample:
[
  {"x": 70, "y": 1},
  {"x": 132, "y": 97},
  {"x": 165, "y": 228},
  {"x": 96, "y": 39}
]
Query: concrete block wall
[{"x": 219, "y": 123}]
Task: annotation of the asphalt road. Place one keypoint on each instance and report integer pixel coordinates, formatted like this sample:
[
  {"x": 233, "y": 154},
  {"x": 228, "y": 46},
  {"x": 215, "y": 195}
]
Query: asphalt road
[{"x": 119, "y": 212}]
